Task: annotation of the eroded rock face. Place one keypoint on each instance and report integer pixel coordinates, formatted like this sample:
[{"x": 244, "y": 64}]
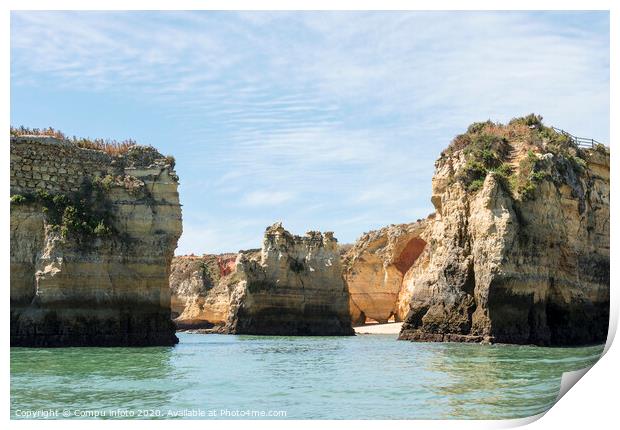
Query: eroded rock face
[
  {"x": 92, "y": 237},
  {"x": 200, "y": 290},
  {"x": 374, "y": 271},
  {"x": 294, "y": 287},
  {"x": 520, "y": 257}
]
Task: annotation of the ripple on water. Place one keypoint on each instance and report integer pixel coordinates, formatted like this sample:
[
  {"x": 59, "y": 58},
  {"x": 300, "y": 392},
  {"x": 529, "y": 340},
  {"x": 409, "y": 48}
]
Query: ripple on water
[{"x": 309, "y": 377}]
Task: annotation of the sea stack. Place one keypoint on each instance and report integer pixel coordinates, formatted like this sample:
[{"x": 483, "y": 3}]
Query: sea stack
[
  {"x": 295, "y": 286},
  {"x": 519, "y": 249},
  {"x": 92, "y": 236}
]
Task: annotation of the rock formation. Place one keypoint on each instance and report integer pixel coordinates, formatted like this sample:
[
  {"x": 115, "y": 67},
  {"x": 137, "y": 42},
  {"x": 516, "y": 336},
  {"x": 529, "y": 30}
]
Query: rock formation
[
  {"x": 92, "y": 236},
  {"x": 295, "y": 287},
  {"x": 374, "y": 270},
  {"x": 519, "y": 249},
  {"x": 200, "y": 296}
]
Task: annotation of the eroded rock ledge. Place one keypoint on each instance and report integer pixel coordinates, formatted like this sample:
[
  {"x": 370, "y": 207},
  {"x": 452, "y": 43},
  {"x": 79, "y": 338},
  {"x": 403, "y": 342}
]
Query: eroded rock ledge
[
  {"x": 92, "y": 236},
  {"x": 519, "y": 249}
]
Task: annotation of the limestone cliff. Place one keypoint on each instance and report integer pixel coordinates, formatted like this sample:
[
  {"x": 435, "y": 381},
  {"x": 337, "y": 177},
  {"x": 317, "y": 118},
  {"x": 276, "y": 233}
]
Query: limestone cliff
[
  {"x": 519, "y": 249},
  {"x": 374, "y": 271},
  {"x": 200, "y": 296},
  {"x": 295, "y": 287},
  {"x": 92, "y": 236}
]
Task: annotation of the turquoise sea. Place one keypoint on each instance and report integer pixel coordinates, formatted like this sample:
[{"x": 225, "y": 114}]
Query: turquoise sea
[{"x": 361, "y": 377}]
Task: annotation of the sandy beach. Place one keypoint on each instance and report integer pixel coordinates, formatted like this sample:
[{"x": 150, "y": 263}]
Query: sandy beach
[{"x": 389, "y": 328}]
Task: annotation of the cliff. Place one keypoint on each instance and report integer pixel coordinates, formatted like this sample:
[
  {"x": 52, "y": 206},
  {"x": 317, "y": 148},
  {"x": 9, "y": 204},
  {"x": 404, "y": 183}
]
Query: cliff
[
  {"x": 92, "y": 237},
  {"x": 374, "y": 270},
  {"x": 200, "y": 296},
  {"x": 519, "y": 249},
  {"x": 295, "y": 287}
]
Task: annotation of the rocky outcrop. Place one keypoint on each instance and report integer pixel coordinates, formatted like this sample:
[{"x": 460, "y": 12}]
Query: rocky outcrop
[
  {"x": 374, "y": 270},
  {"x": 294, "y": 287},
  {"x": 519, "y": 249},
  {"x": 92, "y": 237},
  {"x": 199, "y": 286}
]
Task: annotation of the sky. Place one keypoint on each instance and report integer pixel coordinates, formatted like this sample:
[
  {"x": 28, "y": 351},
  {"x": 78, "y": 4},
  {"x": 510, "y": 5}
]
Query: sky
[{"x": 325, "y": 121}]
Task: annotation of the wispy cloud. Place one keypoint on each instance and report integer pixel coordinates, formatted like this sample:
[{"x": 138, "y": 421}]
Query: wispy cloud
[
  {"x": 279, "y": 112},
  {"x": 266, "y": 198}
]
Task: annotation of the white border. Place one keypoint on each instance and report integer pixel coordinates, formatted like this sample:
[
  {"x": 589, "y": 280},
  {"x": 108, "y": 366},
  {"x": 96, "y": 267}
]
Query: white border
[{"x": 593, "y": 402}]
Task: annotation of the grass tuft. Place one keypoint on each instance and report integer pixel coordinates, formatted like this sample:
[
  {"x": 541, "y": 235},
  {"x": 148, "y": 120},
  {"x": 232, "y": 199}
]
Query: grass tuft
[{"x": 110, "y": 147}]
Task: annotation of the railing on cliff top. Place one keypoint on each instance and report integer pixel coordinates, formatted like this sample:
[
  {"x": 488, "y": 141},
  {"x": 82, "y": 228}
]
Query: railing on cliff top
[{"x": 580, "y": 141}]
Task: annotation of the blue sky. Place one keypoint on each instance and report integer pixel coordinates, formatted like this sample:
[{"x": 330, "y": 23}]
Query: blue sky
[{"x": 323, "y": 120}]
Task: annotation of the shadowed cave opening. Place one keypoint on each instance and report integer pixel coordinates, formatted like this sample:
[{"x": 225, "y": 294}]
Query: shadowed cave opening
[{"x": 409, "y": 254}]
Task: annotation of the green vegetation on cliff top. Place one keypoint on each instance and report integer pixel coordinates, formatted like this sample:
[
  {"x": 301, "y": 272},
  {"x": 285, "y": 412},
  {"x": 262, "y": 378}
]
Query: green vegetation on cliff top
[
  {"x": 111, "y": 147},
  {"x": 128, "y": 149},
  {"x": 489, "y": 147}
]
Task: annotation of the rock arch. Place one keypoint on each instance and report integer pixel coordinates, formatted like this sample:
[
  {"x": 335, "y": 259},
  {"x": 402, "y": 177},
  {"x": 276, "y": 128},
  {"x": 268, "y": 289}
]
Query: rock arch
[{"x": 375, "y": 268}]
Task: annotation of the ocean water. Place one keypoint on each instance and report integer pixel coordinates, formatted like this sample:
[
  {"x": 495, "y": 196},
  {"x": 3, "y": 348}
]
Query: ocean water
[{"x": 361, "y": 377}]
